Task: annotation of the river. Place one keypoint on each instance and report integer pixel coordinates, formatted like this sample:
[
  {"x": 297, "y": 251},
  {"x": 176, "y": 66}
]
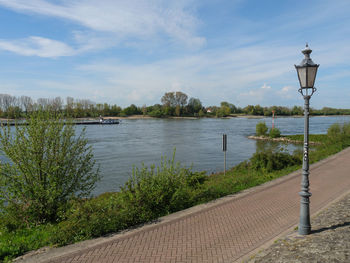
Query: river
[{"x": 198, "y": 143}]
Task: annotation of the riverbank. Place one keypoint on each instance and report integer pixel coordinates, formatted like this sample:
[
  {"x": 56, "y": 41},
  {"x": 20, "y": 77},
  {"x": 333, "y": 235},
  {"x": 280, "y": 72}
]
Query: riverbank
[
  {"x": 225, "y": 230},
  {"x": 148, "y": 196}
]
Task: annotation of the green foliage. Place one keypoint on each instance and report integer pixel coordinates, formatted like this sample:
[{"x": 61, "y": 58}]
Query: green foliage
[
  {"x": 48, "y": 166},
  {"x": 319, "y": 138},
  {"x": 17, "y": 242},
  {"x": 157, "y": 113},
  {"x": 274, "y": 133},
  {"x": 194, "y": 107},
  {"x": 261, "y": 129},
  {"x": 132, "y": 110},
  {"x": 334, "y": 131},
  {"x": 270, "y": 161},
  {"x": 223, "y": 111},
  {"x": 90, "y": 218},
  {"x": 339, "y": 134},
  {"x": 148, "y": 194},
  {"x": 153, "y": 192}
]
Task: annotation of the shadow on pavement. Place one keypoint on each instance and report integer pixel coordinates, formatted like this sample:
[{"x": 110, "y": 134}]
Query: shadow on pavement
[{"x": 330, "y": 228}]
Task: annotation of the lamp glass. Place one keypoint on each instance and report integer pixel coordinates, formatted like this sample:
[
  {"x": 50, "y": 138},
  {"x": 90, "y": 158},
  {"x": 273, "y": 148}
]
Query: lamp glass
[
  {"x": 302, "y": 76},
  {"x": 311, "y": 72}
]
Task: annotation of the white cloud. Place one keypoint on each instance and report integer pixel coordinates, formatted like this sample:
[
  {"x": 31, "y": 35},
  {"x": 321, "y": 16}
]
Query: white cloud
[
  {"x": 37, "y": 46},
  {"x": 124, "y": 18},
  {"x": 213, "y": 76},
  {"x": 257, "y": 94},
  {"x": 287, "y": 92}
]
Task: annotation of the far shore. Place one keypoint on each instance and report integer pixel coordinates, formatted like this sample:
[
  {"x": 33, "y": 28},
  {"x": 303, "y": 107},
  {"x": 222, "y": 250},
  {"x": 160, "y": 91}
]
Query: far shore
[{"x": 145, "y": 117}]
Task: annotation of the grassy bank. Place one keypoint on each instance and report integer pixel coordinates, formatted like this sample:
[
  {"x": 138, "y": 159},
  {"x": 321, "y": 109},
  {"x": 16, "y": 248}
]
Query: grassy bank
[{"x": 152, "y": 192}]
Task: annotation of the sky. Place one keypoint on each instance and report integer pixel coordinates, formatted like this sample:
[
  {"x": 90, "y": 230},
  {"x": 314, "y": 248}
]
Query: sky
[{"x": 133, "y": 51}]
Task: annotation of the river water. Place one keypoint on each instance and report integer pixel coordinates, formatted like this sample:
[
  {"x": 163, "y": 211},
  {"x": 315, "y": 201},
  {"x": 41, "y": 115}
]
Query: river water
[{"x": 198, "y": 143}]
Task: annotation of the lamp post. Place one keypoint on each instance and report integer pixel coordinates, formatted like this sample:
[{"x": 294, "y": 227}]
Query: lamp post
[{"x": 306, "y": 70}]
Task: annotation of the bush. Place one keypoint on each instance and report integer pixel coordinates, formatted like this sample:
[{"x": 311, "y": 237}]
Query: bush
[
  {"x": 48, "y": 166},
  {"x": 269, "y": 161},
  {"x": 148, "y": 194},
  {"x": 275, "y": 133},
  {"x": 334, "y": 131},
  {"x": 91, "y": 218},
  {"x": 16, "y": 243},
  {"x": 339, "y": 135},
  {"x": 261, "y": 129},
  {"x": 154, "y": 192}
]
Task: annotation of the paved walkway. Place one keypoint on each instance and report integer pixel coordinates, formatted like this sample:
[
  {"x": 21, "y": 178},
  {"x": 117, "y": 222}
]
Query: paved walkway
[
  {"x": 329, "y": 242},
  {"x": 224, "y": 231}
]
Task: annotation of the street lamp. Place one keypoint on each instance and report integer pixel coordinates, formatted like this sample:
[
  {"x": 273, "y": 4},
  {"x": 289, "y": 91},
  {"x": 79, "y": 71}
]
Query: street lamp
[{"x": 306, "y": 70}]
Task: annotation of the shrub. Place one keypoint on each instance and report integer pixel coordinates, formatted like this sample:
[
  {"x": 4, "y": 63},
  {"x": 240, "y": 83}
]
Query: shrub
[
  {"x": 91, "y": 218},
  {"x": 334, "y": 131},
  {"x": 15, "y": 243},
  {"x": 48, "y": 166},
  {"x": 275, "y": 133},
  {"x": 270, "y": 161},
  {"x": 339, "y": 135},
  {"x": 153, "y": 191},
  {"x": 148, "y": 194},
  {"x": 346, "y": 129},
  {"x": 261, "y": 129}
]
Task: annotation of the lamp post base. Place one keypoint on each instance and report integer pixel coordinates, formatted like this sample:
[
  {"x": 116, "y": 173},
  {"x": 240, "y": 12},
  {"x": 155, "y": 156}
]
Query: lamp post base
[
  {"x": 304, "y": 227},
  {"x": 304, "y": 230}
]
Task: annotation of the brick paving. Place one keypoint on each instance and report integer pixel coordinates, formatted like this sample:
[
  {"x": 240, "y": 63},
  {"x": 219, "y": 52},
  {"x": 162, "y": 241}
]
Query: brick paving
[
  {"x": 329, "y": 242},
  {"x": 229, "y": 230}
]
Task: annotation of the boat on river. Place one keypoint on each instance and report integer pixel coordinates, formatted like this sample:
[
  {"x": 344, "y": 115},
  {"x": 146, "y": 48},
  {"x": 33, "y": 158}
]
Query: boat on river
[
  {"x": 101, "y": 121},
  {"x": 110, "y": 121}
]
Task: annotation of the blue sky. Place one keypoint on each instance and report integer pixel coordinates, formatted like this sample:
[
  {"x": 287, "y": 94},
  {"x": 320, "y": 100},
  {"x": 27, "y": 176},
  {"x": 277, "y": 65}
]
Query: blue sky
[{"x": 133, "y": 51}]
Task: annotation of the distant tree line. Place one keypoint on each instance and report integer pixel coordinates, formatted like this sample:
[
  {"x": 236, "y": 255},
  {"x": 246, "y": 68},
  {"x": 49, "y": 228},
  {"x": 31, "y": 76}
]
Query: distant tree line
[
  {"x": 17, "y": 107},
  {"x": 172, "y": 104}
]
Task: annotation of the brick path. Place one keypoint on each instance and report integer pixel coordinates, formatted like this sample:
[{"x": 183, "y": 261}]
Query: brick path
[{"x": 226, "y": 231}]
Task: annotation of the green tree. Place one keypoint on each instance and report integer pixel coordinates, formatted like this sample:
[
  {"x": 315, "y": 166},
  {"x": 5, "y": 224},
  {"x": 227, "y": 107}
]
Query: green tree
[
  {"x": 261, "y": 129},
  {"x": 172, "y": 99},
  {"x": 275, "y": 133},
  {"x": 232, "y": 107},
  {"x": 168, "y": 99},
  {"x": 194, "y": 106},
  {"x": 258, "y": 110},
  {"x": 131, "y": 110},
  {"x": 180, "y": 98},
  {"x": 297, "y": 110},
  {"x": 201, "y": 113},
  {"x": 177, "y": 110},
  {"x": 223, "y": 111},
  {"x": 249, "y": 109},
  {"x": 49, "y": 165},
  {"x": 115, "y": 110}
]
